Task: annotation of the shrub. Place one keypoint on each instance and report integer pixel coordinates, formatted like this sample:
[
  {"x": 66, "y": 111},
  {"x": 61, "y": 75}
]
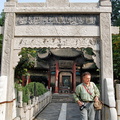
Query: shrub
[
  {"x": 40, "y": 89},
  {"x": 26, "y": 94},
  {"x": 31, "y": 90}
]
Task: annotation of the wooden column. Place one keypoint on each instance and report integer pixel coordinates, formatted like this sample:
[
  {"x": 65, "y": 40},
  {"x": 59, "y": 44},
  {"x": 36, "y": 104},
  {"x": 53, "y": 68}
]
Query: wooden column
[
  {"x": 28, "y": 80},
  {"x": 24, "y": 80},
  {"x": 49, "y": 79},
  {"x": 56, "y": 77},
  {"x": 74, "y": 77}
]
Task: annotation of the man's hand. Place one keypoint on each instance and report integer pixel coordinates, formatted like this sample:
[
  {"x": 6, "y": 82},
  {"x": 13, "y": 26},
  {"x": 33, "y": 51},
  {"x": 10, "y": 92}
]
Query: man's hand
[
  {"x": 80, "y": 103},
  {"x": 96, "y": 98}
]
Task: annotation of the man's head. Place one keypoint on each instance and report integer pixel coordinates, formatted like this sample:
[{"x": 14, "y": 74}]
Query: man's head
[{"x": 86, "y": 77}]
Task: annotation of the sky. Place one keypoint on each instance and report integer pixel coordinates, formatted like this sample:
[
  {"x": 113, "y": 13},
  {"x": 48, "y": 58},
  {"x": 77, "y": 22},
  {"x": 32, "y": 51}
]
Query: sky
[{"x": 2, "y": 2}]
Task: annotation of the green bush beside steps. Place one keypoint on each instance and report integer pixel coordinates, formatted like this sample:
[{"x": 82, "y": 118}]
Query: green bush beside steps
[{"x": 30, "y": 90}]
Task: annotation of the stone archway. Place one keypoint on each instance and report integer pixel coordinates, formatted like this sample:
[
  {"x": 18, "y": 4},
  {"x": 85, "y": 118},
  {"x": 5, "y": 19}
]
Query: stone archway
[{"x": 90, "y": 26}]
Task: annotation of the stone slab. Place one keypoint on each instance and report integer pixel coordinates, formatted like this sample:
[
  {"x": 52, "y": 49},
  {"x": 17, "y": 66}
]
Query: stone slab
[
  {"x": 118, "y": 107},
  {"x": 118, "y": 91},
  {"x": 105, "y": 3},
  {"x": 109, "y": 93},
  {"x": 57, "y": 3},
  {"x": 10, "y": 4},
  {"x": 118, "y": 118},
  {"x": 14, "y": 111},
  {"x": 56, "y": 30},
  {"x": 2, "y": 111},
  {"x": 3, "y": 88},
  {"x": 56, "y": 10},
  {"x": 115, "y": 30},
  {"x": 113, "y": 114},
  {"x": 73, "y": 112},
  {"x": 56, "y": 6},
  {"x": 91, "y": 5},
  {"x": 63, "y": 111},
  {"x": 20, "y": 5},
  {"x": 110, "y": 114},
  {"x": 51, "y": 112}
]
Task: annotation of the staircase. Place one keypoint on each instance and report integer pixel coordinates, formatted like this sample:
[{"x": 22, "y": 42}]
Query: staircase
[{"x": 62, "y": 98}]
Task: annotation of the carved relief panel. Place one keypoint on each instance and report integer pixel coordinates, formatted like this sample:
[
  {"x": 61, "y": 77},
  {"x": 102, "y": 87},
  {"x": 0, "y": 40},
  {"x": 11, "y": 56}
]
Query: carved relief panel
[
  {"x": 57, "y": 42},
  {"x": 57, "y": 19}
]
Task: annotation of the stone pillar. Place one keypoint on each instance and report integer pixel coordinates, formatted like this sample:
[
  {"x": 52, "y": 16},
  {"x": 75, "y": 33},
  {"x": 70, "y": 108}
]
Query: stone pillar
[
  {"x": 106, "y": 49},
  {"x": 106, "y": 66},
  {"x": 7, "y": 65},
  {"x": 74, "y": 77},
  {"x": 56, "y": 77},
  {"x": 118, "y": 100}
]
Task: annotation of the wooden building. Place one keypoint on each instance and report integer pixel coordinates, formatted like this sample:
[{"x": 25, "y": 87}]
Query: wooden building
[{"x": 63, "y": 67}]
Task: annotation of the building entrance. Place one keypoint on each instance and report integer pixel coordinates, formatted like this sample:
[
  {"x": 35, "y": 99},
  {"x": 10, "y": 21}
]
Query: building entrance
[{"x": 65, "y": 83}]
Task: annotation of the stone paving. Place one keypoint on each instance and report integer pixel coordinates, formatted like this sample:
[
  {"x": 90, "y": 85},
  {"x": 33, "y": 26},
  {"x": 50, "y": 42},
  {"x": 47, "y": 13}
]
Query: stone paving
[{"x": 52, "y": 112}]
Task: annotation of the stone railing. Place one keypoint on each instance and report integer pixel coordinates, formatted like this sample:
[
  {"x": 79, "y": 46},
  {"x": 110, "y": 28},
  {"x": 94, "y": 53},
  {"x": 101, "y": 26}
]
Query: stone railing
[
  {"x": 33, "y": 108},
  {"x": 118, "y": 100}
]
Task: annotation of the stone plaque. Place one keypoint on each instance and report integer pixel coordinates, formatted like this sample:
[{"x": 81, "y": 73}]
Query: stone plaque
[{"x": 57, "y": 19}]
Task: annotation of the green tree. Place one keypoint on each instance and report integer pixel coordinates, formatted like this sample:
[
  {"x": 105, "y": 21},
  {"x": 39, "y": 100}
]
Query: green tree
[
  {"x": 115, "y": 17},
  {"x": 26, "y": 61},
  {"x": 116, "y": 56},
  {"x": 2, "y": 18},
  {"x": 1, "y": 38}
]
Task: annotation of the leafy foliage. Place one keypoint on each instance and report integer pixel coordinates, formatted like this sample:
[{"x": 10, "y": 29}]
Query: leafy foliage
[
  {"x": 40, "y": 89},
  {"x": 31, "y": 90},
  {"x": 1, "y": 38},
  {"x": 26, "y": 61},
  {"x": 115, "y": 12},
  {"x": 26, "y": 94},
  {"x": 116, "y": 56},
  {"x": 2, "y": 19}
]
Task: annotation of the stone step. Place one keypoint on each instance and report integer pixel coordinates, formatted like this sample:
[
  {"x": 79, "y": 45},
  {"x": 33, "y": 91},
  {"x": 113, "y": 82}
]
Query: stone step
[{"x": 62, "y": 98}]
